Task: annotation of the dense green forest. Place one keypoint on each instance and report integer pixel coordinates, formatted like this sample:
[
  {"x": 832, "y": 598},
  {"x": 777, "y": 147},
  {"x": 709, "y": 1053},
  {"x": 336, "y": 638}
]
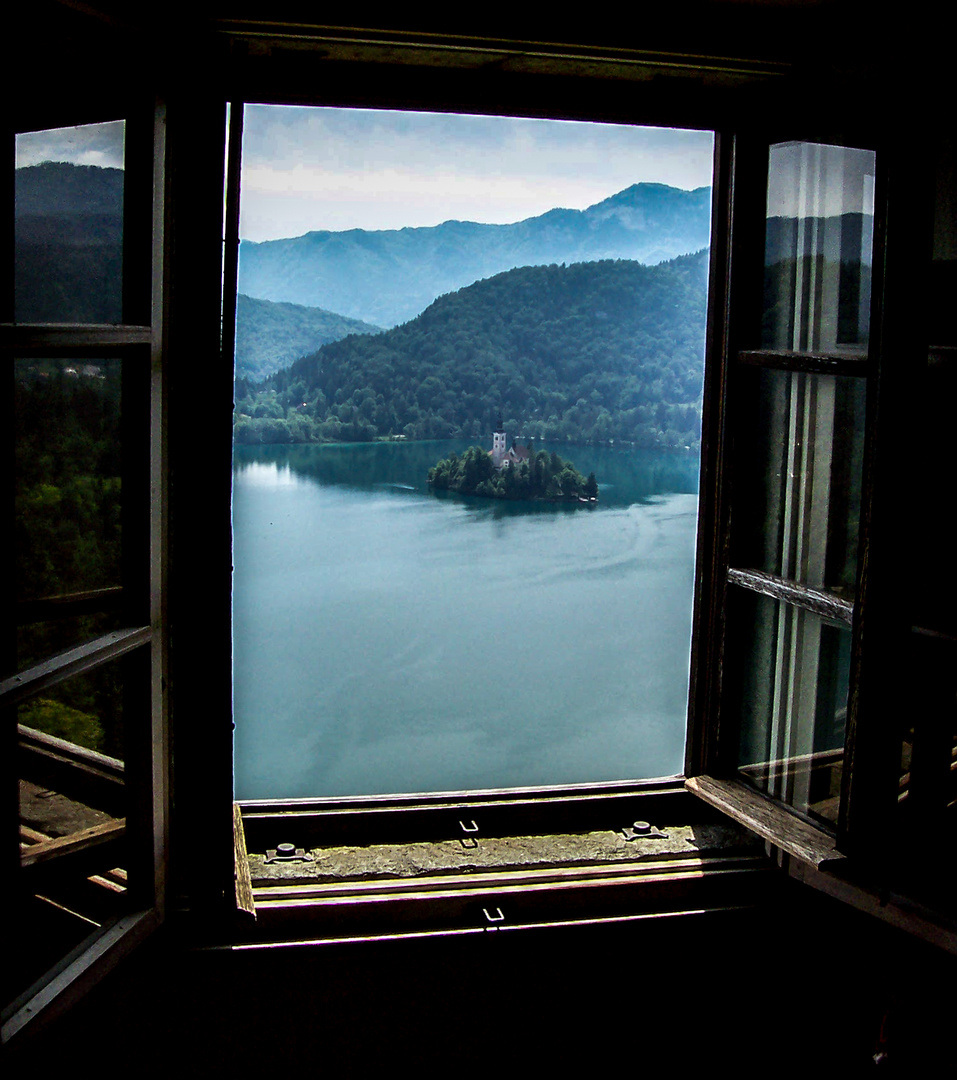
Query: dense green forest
[
  {"x": 68, "y": 537},
  {"x": 543, "y": 476},
  {"x": 270, "y": 336},
  {"x": 592, "y": 352}
]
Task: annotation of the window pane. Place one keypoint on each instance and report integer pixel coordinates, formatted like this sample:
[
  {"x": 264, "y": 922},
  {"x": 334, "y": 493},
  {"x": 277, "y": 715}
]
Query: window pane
[
  {"x": 798, "y": 468},
  {"x": 68, "y": 541},
  {"x": 73, "y": 809},
  {"x": 788, "y": 673},
  {"x": 818, "y": 250},
  {"x": 482, "y": 278},
  {"x": 69, "y": 224}
]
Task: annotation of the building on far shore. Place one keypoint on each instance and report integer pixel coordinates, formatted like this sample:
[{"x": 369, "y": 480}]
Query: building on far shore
[{"x": 504, "y": 459}]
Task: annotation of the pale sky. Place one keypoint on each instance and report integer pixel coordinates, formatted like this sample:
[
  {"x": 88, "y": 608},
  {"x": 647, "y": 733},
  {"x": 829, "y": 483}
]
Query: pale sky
[
  {"x": 814, "y": 180},
  {"x": 320, "y": 168},
  {"x": 91, "y": 144}
]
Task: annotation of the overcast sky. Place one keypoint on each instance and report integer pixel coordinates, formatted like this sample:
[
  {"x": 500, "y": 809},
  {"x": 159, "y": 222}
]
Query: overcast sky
[
  {"x": 91, "y": 144},
  {"x": 319, "y": 168}
]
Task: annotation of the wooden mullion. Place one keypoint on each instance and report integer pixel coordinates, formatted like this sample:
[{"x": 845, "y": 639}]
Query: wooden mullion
[
  {"x": 712, "y": 742},
  {"x": 711, "y": 554},
  {"x": 137, "y": 212}
]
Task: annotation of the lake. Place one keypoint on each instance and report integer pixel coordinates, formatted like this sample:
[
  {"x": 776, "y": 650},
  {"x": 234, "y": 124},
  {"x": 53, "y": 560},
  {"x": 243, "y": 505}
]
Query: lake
[{"x": 389, "y": 640}]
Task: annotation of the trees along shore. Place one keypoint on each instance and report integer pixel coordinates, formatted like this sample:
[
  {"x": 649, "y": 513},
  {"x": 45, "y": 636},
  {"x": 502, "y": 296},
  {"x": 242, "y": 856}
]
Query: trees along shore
[{"x": 543, "y": 476}]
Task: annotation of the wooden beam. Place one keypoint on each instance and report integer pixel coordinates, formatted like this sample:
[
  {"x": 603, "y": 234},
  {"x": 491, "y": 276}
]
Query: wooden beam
[
  {"x": 245, "y": 904},
  {"x": 766, "y": 818}
]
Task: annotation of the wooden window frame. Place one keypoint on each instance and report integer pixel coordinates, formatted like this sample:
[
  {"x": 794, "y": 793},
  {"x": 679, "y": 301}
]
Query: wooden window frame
[
  {"x": 856, "y": 860},
  {"x": 359, "y": 821},
  {"x": 138, "y": 345}
]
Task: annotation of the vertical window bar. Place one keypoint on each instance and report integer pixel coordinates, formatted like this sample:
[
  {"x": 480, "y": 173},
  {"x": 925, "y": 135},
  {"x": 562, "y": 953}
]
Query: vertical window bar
[{"x": 903, "y": 224}]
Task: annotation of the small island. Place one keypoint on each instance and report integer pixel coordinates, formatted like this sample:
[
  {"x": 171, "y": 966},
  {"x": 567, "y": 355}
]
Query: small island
[{"x": 514, "y": 473}]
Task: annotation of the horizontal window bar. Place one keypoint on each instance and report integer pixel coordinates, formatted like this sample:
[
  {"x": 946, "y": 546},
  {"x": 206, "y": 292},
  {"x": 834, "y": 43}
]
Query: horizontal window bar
[
  {"x": 850, "y": 363},
  {"x": 71, "y": 662},
  {"x": 24, "y": 339},
  {"x": 827, "y": 605}
]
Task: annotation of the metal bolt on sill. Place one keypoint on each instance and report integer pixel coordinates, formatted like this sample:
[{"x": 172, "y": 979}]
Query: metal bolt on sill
[
  {"x": 287, "y": 853},
  {"x": 643, "y": 830}
]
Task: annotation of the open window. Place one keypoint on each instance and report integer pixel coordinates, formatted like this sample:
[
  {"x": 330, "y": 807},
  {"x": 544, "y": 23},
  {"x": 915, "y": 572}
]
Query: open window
[
  {"x": 81, "y": 697},
  {"x": 810, "y": 735}
]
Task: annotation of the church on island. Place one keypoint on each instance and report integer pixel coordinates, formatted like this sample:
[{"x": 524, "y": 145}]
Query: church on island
[{"x": 505, "y": 459}]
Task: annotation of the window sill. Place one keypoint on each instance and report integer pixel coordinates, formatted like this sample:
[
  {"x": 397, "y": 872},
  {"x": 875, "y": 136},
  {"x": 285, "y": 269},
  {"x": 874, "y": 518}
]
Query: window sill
[{"x": 474, "y": 882}]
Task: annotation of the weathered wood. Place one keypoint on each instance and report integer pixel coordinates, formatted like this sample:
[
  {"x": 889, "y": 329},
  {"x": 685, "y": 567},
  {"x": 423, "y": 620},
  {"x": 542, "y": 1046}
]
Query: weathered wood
[
  {"x": 767, "y": 819},
  {"x": 81, "y": 339},
  {"x": 83, "y": 840},
  {"x": 245, "y": 904},
  {"x": 811, "y": 363},
  {"x": 827, "y": 605}
]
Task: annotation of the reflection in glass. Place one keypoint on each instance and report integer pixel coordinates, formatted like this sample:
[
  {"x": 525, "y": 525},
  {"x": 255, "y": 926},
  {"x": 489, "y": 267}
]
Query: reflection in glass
[
  {"x": 67, "y": 554},
  {"x": 818, "y": 248},
  {"x": 792, "y": 670},
  {"x": 800, "y": 462},
  {"x": 69, "y": 224},
  {"x": 72, "y": 820}
]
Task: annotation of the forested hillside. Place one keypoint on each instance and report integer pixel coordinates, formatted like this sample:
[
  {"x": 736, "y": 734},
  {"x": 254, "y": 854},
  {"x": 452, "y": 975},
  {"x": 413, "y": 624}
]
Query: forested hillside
[
  {"x": 269, "y": 336},
  {"x": 588, "y": 352},
  {"x": 68, "y": 233}
]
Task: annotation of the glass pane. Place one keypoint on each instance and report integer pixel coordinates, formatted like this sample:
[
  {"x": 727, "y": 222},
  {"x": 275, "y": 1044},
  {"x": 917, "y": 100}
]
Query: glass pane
[
  {"x": 798, "y": 468},
  {"x": 67, "y": 553},
  {"x": 818, "y": 248},
  {"x": 69, "y": 224},
  {"x": 788, "y": 674}
]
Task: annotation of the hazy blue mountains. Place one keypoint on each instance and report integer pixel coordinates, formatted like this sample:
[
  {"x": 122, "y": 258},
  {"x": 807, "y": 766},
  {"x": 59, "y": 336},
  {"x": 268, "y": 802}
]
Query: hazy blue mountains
[
  {"x": 269, "y": 336},
  {"x": 588, "y": 352},
  {"x": 68, "y": 233},
  {"x": 388, "y": 277}
]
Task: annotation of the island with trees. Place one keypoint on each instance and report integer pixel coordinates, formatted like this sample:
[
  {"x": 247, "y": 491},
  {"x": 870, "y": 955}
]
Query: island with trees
[{"x": 518, "y": 473}]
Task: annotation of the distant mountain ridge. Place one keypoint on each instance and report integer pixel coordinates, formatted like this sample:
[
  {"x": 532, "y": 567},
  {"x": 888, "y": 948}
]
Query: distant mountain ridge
[{"x": 388, "y": 277}]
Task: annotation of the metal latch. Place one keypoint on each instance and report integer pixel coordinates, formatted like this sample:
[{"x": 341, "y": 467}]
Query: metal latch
[{"x": 469, "y": 840}]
